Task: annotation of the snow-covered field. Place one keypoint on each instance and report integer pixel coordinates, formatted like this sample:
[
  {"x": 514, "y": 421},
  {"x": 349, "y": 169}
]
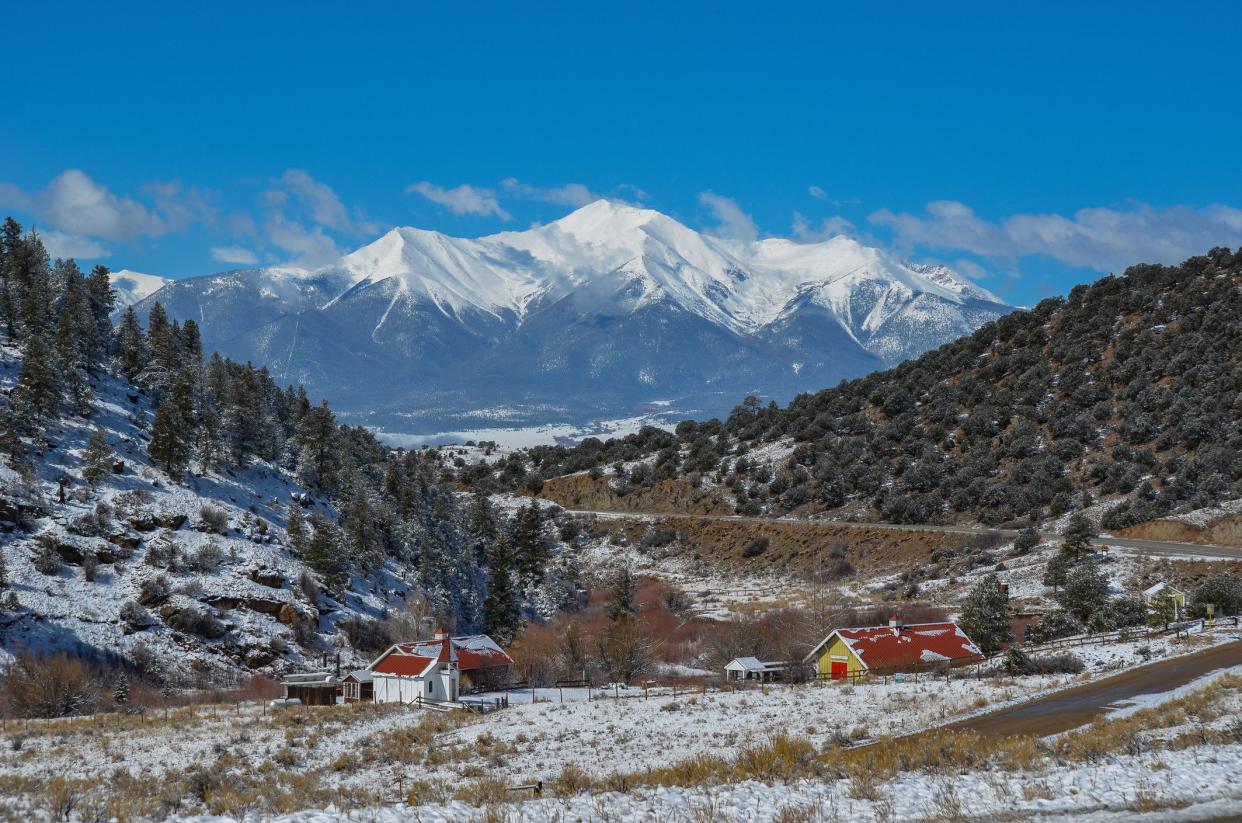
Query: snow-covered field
[
  {"x": 1198, "y": 783},
  {"x": 1156, "y": 777},
  {"x": 544, "y": 737}
]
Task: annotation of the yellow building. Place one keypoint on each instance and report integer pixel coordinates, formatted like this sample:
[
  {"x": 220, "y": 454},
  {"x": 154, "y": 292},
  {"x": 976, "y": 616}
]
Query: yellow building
[{"x": 896, "y": 647}]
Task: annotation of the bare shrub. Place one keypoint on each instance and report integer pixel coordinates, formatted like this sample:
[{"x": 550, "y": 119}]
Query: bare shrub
[
  {"x": 369, "y": 636},
  {"x": 199, "y": 622},
  {"x": 659, "y": 536},
  {"x": 309, "y": 588},
  {"x": 135, "y": 616},
  {"x": 208, "y": 558},
  {"x": 154, "y": 590},
  {"x": 47, "y": 559},
  {"x": 756, "y": 547},
  {"x": 90, "y": 566},
  {"x": 213, "y": 520},
  {"x": 51, "y": 686}
]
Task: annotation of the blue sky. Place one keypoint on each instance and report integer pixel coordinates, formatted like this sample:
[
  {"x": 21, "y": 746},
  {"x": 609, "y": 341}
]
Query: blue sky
[{"x": 1034, "y": 147}]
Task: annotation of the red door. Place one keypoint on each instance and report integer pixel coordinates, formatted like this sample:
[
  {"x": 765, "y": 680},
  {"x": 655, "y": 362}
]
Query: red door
[{"x": 840, "y": 669}]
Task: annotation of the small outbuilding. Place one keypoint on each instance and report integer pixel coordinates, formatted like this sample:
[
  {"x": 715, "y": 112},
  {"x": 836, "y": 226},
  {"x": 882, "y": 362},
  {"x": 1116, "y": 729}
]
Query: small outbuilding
[
  {"x": 741, "y": 669},
  {"x": 1163, "y": 589},
  {"x": 312, "y": 688},
  {"x": 358, "y": 687},
  {"x": 896, "y": 647}
]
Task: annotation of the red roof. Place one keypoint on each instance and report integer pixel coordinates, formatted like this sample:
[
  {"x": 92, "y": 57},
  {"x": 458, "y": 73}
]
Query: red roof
[
  {"x": 884, "y": 647},
  {"x": 470, "y": 652},
  {"x": 409, "y": 665}
]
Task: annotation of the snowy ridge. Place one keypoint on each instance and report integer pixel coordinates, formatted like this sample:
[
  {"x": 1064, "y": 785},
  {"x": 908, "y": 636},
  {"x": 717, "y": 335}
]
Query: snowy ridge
[
  {"x": 132, "y": 286},
  {"x": 600, "y": 312}
]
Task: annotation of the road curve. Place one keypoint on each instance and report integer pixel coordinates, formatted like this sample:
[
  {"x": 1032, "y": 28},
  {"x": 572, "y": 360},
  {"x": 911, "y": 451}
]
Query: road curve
[
  {"x": 1157, "y": 547},
  {"x": 1079, "y": 705}
]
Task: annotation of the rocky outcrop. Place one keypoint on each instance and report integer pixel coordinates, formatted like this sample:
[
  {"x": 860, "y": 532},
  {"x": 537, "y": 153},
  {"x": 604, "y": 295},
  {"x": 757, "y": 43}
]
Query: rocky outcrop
[{"x": 267, "y": 576}]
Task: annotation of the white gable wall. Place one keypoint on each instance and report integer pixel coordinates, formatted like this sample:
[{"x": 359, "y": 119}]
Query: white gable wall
[{"x": 439, "y": 684}]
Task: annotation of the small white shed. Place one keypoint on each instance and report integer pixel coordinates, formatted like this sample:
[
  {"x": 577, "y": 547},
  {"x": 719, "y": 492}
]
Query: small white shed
[{"x": 752, "y": 668}]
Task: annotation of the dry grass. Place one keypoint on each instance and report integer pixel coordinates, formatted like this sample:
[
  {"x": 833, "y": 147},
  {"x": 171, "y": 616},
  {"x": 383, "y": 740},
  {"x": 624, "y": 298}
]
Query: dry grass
[
  {"x": 949, "y": 753},
  {"x": 276, "y": 781},
  {"x": 281, "y": 782},
  {"x": 1224, "y": 532}
]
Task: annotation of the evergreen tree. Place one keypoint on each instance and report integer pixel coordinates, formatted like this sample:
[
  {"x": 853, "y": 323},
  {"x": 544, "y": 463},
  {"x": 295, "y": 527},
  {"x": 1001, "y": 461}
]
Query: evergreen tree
[
  {"x": 1026, "y": 540},
  {"x": 295, "y": 528},
  {"x": 172, "y": 433},
  {"x": 985, "y": 615},
  {"x": 1078, "y": 535},
  {"x": 38, "y": 390},
  {"x": 1056, "y": 571},
  {"x": 483, "y": 524},
  {"x": 29, "y": 271},
  {"x": 120, "y": 689},
  {"x": 317, "y": 447},
  {"x": 325, "y": 556},
  {"x": 72, "y": 364},
  {"x": 623, "y": 605},
  {"x": 160, "y": 365},
  {"x": 1086, "y": 589},
  {"x": 359, "y": 528},
  {"x": 4, "y": 571},
  {"x": 97, "y": 459},
  {"x": 102, "y": 299},
  {"x": 501, "y": 615},
  {"x": 132, "y": 346},
  {"x": 529, "y": 546},
  {"x": 10, "y": 298}
]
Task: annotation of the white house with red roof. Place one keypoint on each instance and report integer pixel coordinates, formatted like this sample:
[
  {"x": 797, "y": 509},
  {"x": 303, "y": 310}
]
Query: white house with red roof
[
  {"x": 892, "y": 648},
  {"x": 431, "y": 670}
]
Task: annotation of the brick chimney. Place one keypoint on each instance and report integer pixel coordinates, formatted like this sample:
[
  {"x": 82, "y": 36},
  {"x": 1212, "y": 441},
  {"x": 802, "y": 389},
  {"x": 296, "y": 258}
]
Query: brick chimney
[
  {"x": 440, "y": 635},
  {"x": 894, "y": 623}
]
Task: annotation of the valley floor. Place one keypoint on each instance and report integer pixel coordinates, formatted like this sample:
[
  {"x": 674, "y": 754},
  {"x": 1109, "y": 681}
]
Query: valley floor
[{"x": 238, "y": 761}]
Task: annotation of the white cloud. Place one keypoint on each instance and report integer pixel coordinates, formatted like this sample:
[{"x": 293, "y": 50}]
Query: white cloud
[
  {"x": 971, "y": 269},
  {"x": 1104, "y": 239},
  {"x": 463, "y": 199},
  {"x": 325, "y": 208},
  {"x": 734, "y": 223},
  {"x": 180, "y": 206},
  {"x": 317, "y": 203},
  {"x": 804, "y": 231},
  {"x": 634, "y": 192},
  {"x": 59, "y": 244},
  {"x": 817, "y": 192},
  {"x": 574, "y": 195},
  {"x": 76, "y": 205},
  {"x": 310, "y": 246},
  {"x": 234, "y": 254}
]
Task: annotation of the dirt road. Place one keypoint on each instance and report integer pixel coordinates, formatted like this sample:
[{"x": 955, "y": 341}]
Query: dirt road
[
  {"x": 1155, "y": 547},
  {"x": 1080, "y": 705}
]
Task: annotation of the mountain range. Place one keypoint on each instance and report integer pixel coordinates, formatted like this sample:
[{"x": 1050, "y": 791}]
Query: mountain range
[{"x": 606, "y": 312}]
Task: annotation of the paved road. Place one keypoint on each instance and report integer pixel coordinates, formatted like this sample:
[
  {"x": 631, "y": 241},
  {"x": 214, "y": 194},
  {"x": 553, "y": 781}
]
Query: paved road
[
  {"x": 1080, "y": 705},
  {"x": 1155, "y": 547}
]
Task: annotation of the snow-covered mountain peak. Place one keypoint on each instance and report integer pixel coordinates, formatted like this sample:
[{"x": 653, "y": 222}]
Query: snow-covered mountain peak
[
  {"x": 603, "y": 221},
  {"x": 610, "y": 306},
  {"x": 132, "y": 286}
]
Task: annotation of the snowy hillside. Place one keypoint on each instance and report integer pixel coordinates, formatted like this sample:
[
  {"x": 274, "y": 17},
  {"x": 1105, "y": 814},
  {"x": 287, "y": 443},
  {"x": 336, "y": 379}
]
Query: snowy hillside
[
  {"x": 590, "y": 316},
  {"x": 195, "y": 580}
]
